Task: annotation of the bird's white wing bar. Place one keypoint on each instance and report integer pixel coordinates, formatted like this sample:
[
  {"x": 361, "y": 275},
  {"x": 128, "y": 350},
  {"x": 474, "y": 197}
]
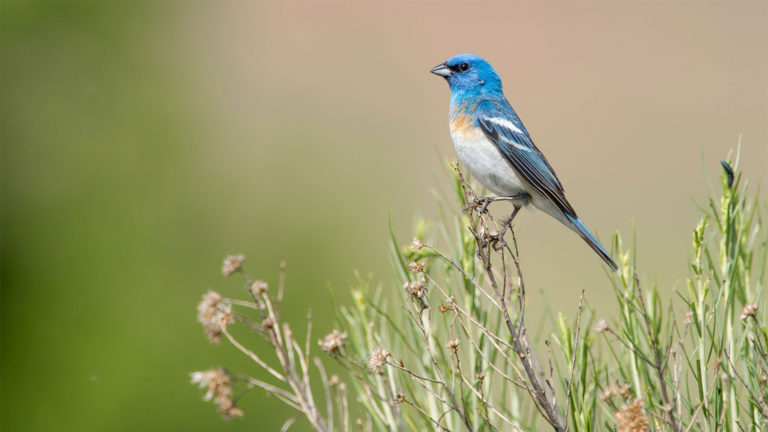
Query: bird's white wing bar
[
  {"x": 501, "y": 121},
  {"x": 518, "y": 146},
  {"x": 504, "y": 123}
]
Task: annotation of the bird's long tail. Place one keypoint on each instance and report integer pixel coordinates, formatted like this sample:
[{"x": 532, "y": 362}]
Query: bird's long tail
[{"x": 579, "y": 227}]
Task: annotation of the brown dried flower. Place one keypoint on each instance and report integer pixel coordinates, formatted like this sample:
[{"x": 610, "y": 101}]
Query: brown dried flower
[
  {"x": 333, "y": 342},
  {"x": 215, "y": 314},
  {"x": 416, "y": 266},
  {"x": 232, "y": 264},
  {"x": 631, "y": 418},
  {"x": 258, "y": 287},
  {"x": 415, "y": 288},
  {"x": 399, "y": 398},
  {"x": 611, "y": 391},
  {"x": 218, "y": 386},
  {"x": 748, "y": 311},
  {"x": 378, "y": 358},
  {"x": 416, "y": 244}
]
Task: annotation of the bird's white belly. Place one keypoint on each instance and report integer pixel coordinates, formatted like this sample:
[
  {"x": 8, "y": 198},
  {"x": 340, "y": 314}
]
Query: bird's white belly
[{"x": 484, "y": 162}]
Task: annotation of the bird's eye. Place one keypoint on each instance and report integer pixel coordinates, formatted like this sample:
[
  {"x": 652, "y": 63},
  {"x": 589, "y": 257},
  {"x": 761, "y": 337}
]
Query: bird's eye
[{"x": 463, "y": 67}]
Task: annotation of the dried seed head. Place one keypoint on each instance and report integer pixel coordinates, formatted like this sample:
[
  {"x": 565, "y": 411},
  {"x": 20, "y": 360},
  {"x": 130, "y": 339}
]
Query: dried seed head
[
  {"x": 763, "y": 379},
  {"x": 751, "y": 337},
  {"x": 415, "y": 288},
  {"x": 416, "y": 244},
  {"x": 228, "y": 409},
  {"x": 333, "y": 342},
  {"x": 416, "y": 266},
  {"x": 258, "y": 287},
  {"x": 215, "y": 314},
  {"x": 612, "y": 390},
  {"x": 601, "y": 326},
  {"x": 268, "y": 323},
  {"x": 480, "y": 375},
  {"x": 398, "y": 398},
  {"x": 444, "y": 308},
  {"x": 218, "y": 386},
  {"x": 378, "y": 358},
  {"x": 630, "y": 417},
  {"x": 748, "y": 311},
  {"x": 232, "y": 264},
  {"x": 452, "y": 344},
  {"x": 208, "y": 307}
]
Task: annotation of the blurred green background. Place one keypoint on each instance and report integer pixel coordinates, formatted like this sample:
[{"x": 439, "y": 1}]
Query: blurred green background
[{"x": 143, "y": 141}]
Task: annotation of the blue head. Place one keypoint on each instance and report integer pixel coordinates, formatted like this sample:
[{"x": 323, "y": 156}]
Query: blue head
[{"x": 468, "y": 74}]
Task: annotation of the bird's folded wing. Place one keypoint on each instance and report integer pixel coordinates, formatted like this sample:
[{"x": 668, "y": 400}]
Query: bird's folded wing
[{"x": 501, "y": 125}]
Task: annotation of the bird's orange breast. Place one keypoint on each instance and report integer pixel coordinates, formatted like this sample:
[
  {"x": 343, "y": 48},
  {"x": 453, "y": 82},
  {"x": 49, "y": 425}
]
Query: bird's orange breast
[{"x": 463, "y": 125}]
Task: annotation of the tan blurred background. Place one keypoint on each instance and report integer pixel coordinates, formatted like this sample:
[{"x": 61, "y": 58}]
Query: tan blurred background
[{"x": 142, "y": 141}]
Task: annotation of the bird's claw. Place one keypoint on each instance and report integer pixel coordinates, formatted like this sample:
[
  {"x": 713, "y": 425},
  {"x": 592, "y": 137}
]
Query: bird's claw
[
  {"x": 498, "y": 244},
  {"x": 481, "y": 204}
]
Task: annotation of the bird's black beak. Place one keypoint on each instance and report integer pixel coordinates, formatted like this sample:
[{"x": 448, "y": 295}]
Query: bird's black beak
[{"x": 442, "y": 69}]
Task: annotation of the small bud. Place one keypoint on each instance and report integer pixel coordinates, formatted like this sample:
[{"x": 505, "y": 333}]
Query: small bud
[
  {"x": 232, "y": 264},
  {"x": 444, "y": 308},
  {"x": 452, "y": 344},
  {"x": 267, "y": 324},
  {"x": 416, "y": 244},
  {"x": 333, "y": 381}
]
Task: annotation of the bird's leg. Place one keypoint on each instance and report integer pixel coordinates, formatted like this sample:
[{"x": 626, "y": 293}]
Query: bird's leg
[
  {"x": 482, "y": 203},
  {"x": 501, "y": 243}
]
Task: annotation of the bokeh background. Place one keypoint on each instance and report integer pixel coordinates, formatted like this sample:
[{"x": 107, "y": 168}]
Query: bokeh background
[{"x": 143, "y": 141}]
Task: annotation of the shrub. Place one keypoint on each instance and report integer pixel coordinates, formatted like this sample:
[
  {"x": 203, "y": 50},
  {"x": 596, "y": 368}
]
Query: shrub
[{"x": 453, "y": 350}]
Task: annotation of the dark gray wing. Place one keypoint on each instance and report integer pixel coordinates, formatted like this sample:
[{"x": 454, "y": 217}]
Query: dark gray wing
[{"x": 503, "y": 127}]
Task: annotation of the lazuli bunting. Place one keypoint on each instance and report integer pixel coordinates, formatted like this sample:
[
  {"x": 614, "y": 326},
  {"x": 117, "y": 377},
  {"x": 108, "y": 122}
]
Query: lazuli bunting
[{"x": 495, "y": 147}]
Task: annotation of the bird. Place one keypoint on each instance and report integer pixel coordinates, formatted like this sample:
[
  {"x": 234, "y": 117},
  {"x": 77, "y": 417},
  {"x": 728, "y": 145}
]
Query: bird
[{"x": 496, "y": 148}]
